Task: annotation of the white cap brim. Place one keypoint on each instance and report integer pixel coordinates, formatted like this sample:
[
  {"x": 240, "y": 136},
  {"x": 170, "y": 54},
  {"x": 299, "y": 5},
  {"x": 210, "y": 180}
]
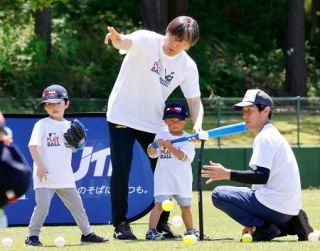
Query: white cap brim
[{"x": 242, "y": 104}]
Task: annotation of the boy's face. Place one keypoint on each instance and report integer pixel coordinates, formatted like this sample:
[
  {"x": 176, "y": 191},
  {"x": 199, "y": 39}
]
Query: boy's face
[
  {"x": 56, "y": 110},
  {"x": 173, "y": 45},
  {"x": 175, "y": 125}
]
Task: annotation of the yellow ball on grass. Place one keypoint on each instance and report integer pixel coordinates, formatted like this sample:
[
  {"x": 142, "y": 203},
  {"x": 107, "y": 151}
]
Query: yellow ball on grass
[
  {"x": 188, "y": 240},
  {"x": 246, "y": 238}
]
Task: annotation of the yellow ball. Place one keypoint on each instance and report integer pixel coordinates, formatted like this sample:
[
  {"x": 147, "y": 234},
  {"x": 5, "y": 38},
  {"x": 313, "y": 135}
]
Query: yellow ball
[
  {"x": 167, "y": 205},
  {"x": 188, "y": 240},
  {"x": 246, "y": 238}
]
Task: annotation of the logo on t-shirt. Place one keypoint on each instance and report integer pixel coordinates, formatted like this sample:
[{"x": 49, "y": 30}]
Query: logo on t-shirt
[
  {"x": 53, "y": 139},
  {"x": 167, "y": 76},
  {"x": 165, "y": 154},
  {"x": 156, "y": 67}
]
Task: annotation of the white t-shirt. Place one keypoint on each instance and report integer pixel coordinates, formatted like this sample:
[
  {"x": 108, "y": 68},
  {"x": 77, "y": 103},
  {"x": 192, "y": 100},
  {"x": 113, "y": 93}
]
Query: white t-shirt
[
  {"x": 55, "y": 153},
  {"x": 146, "y": 78},
  {"x": 282, "y": 192},
  {"x": 173, "y": 176}
]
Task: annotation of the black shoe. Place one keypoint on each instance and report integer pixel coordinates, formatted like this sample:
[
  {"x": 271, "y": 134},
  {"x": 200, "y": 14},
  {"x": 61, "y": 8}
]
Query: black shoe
[
  {"x": 123, "y": 232},
  {"x": 92, "y": 238},
  {"x": 33, "y": 241},
  {"x": 166, "y": 232},
  {"x": 300, "y": 225},
  {"x": 266, "y": 233}
]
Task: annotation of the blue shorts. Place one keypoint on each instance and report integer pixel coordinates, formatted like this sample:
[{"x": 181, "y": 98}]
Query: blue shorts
[{"x": 182, "y": 202}]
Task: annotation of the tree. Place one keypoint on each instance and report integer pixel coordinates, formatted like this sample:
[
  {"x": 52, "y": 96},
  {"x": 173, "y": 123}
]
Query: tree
[
  {"x": 296, "y": 73},
  {"x": 156, "y": 14},
  {"x": 314, "y": 19},
  {"x": 42, "y": 26}
]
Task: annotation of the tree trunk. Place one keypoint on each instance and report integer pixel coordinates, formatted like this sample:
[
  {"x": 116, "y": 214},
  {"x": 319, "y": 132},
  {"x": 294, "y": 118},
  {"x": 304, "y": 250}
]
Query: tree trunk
[
  {"x": 156, "y": 14},
  {"x": 296, "y": 74},
  {"x": 314, "y": 19},
  {"x": 43, "y": 26},
  {"x": 177, "y": 8}
]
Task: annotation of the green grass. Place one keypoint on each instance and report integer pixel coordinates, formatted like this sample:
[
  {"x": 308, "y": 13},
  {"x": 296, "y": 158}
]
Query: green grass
[{"x": 216, "y": 224}]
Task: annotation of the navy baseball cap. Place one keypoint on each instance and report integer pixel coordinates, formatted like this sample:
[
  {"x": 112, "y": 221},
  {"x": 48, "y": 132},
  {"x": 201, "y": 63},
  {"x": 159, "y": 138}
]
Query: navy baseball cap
[
  {"x": 175, "y": 110},
  {"x": 54, "y": 94},
  {"x": 254, "y": 97}
]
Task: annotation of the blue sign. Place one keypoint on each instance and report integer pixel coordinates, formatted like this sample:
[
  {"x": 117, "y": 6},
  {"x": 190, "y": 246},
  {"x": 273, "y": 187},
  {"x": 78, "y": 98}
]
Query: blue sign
[{"x": 92, "y": 169}]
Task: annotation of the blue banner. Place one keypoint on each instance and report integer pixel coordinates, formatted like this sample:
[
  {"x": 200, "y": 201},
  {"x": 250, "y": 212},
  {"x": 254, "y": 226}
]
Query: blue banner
[{"x": 92, "y": 169}]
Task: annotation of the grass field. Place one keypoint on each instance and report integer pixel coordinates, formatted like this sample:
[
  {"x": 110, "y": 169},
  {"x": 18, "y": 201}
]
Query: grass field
[{"x": 216, "y": 225}]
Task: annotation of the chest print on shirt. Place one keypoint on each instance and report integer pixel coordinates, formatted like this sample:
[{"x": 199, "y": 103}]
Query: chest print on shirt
[
  {"x": 164, "y": 154},
  {"x": 53, "y": 139},
  {"x": 167, "y": 76}
]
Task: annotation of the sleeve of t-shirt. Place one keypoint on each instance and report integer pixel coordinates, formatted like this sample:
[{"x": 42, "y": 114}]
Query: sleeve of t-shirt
[
  {"x": 36, "y": 135},
  {"x": 262, "y": 153},
  {"x": 190, "y": 86},
  {"x": 140, "y": 40},
  {"x": 188, "y": 149}
]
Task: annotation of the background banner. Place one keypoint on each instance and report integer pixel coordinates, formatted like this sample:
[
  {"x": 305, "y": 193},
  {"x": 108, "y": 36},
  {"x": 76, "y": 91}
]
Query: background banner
[{"x": 92, "y": 169}]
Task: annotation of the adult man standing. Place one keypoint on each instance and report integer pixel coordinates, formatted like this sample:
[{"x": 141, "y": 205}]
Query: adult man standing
[
  {"x": 272, "y": 206},
  {"x": 153, "y": 67}
]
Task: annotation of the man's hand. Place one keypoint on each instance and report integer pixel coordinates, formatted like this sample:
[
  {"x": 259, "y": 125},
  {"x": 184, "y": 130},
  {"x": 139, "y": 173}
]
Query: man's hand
[
  {"x": 112, "y": 35},
  {"x": 215, "y": 171},
  {"x": 119, "y": 41},
  {"x": 203, "y": 135}
]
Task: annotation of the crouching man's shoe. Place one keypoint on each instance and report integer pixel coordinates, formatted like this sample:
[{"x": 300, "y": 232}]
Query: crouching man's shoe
[
  {"x": 300, "y": 225},
  {"x": 266, "y": 233}
]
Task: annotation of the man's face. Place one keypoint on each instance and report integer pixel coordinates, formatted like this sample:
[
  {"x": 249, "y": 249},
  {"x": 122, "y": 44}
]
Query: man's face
[
  {"x": 173, "y": 45},
  {"x": 254, "y": 118}
]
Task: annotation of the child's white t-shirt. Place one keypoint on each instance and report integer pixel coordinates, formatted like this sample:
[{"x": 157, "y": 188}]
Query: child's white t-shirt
[
  {"x": 173, "y": 176},
  {"x": 55, "y": 153}
]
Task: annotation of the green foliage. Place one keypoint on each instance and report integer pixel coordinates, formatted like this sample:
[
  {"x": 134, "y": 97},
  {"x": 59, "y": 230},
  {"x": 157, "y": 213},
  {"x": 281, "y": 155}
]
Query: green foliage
[{"x": 242, "y": 45}]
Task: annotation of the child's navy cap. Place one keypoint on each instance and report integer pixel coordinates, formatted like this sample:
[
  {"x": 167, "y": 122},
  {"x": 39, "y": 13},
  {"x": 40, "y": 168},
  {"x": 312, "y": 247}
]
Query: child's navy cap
[
  {"x": 54, "y": 94},
  {"x": 175, "y": 110}
]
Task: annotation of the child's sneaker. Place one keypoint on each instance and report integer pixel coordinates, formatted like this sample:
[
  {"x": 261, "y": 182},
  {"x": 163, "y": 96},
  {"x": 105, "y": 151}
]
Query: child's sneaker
[
  {"x": 92, "y": 238},
  {"x": 33, "y": 241},
  {"x": 196, "y": 233},
  {"x": 154, "y": 235}
]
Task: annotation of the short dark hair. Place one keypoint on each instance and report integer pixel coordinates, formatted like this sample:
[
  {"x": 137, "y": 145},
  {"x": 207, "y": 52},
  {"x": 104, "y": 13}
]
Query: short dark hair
[
  {"x": 262, "y": 107},
  {"x": 185, "y": 28}
]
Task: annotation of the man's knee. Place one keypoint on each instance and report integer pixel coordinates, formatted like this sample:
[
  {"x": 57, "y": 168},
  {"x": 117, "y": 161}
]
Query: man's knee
[{"x": 216, "y": 196}]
